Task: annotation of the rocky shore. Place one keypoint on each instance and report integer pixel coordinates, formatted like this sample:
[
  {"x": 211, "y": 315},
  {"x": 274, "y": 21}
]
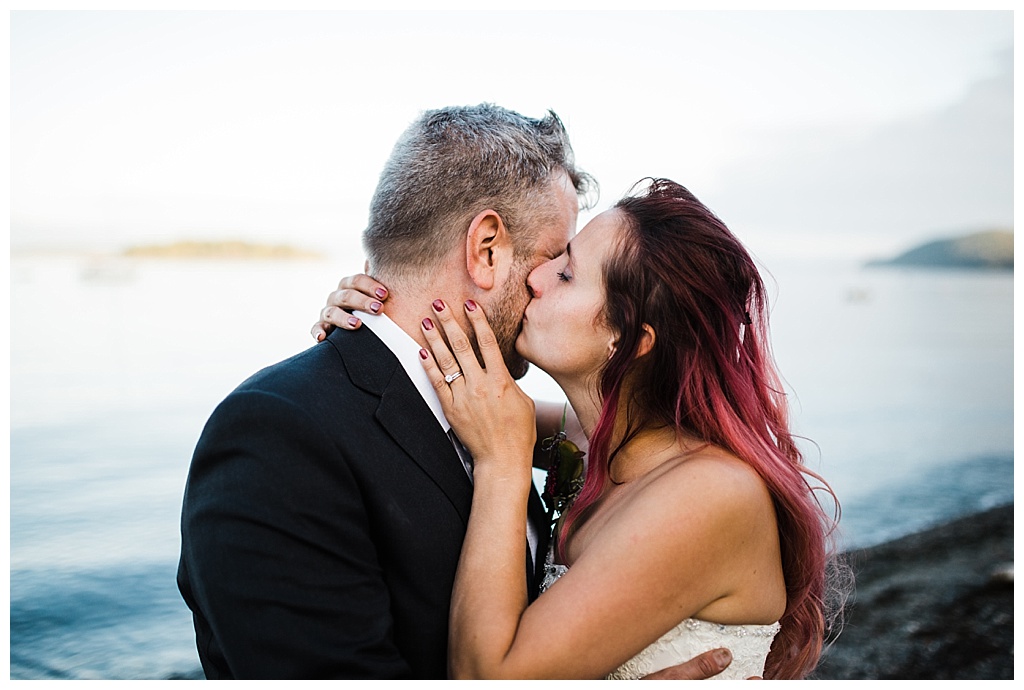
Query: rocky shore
[{"x": 933, "y": 605}]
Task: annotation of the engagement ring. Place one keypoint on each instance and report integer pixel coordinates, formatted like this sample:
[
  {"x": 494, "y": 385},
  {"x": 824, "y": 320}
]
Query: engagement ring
[{"x": 451, "y": 377}]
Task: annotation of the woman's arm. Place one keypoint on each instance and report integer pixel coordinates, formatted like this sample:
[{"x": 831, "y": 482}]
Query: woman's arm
[
  {"x": 496, "y": 422},
  {"x": 671, "y": 550}
]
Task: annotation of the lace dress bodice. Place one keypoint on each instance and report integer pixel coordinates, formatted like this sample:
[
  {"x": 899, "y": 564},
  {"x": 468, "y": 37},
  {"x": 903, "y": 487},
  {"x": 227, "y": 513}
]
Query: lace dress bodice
[{"x": 749, "y": 644}]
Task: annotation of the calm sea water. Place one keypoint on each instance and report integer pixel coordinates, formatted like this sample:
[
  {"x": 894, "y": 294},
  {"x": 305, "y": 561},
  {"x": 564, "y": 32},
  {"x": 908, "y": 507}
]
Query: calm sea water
[{"x": 902, "y": 382}]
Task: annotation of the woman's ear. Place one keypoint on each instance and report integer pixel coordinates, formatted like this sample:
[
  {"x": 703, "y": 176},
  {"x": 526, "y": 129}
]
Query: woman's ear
[
  {"x": 488, "y": 249},
  {"x": 645, "y": 345},
  {"x": 647, "y": 339}
]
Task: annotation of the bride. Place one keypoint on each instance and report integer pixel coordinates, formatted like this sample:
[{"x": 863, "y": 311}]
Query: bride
[{"x": 696, "y": 525}]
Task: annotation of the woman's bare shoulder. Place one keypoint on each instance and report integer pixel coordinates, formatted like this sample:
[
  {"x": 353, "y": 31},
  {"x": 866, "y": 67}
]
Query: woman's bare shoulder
[
  {"x": 712, "y": 473},
  {"x": 690, "y": 536},
  {"x": 707, "y": 492}
]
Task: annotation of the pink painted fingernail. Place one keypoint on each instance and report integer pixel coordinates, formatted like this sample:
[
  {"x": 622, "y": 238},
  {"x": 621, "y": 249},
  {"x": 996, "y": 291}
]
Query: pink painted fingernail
[
  {"x": 428, "y": 324},
  {"x": 375, "y": 307},
  {"x": 381, "y": 292},
  {"x": 438, "y": 305},
  {"x": 423, "y": 353},
  {"x": 470, "y": 305},
  {"x": 353, "y": 321}
]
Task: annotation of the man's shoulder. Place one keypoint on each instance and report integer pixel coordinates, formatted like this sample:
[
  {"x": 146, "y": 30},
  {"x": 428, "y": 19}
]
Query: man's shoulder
[
  {"x": 331, "y": 365},
  {"x": 300, "y": 368},
  {"x": 310, "y": 395}
]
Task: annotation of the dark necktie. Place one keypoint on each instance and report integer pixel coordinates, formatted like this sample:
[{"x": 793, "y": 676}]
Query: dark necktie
[{"x": 464, "y": 456}]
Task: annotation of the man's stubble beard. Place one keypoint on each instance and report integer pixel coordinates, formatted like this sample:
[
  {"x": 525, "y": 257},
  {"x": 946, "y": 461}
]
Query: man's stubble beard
[{"x": 506, "y": 318}]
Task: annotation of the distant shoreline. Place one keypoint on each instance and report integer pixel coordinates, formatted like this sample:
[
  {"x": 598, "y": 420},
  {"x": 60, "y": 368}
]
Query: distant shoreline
[
  {"x": 988, "y": 250},
  {"x": 219, "y": 250},
  {"x": 226, "y": 250}
]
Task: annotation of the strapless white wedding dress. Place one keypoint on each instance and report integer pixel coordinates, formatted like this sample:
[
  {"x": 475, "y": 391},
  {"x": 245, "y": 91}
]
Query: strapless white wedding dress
[{"x": 749, "y": 644}]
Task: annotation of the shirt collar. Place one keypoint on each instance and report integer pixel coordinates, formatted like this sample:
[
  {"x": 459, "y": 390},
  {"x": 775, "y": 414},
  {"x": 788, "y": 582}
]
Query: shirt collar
[{"x": 407, "y": 351}]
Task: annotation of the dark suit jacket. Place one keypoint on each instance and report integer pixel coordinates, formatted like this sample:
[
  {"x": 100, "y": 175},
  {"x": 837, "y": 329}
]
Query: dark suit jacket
[{"x": 322, "y": 522}]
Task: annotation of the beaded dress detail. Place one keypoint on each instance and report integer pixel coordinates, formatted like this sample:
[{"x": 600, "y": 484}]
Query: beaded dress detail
[{"x": 749, "y": 644}]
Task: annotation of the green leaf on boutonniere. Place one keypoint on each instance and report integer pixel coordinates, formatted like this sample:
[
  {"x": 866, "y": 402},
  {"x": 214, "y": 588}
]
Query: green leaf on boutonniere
[{"x": 565, "y": 471}]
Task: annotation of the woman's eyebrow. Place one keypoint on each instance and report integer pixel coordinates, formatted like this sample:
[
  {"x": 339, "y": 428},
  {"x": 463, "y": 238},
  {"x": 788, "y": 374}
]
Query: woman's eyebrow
[{"x": 572, "y": 261}]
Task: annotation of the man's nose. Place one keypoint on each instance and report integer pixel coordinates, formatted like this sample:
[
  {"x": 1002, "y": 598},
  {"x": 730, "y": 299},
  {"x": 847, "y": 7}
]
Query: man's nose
[{"x": 531, "y": 282}]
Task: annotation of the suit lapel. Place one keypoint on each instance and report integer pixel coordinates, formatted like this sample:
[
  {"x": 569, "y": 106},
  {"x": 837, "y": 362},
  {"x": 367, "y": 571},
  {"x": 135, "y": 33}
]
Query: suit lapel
[
  {"x": 403, "y": 413},
  {"x": 422, "y": 438}
]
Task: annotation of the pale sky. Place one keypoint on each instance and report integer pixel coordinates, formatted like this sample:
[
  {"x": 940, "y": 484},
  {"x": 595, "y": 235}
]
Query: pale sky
[{"x": 831, "y": 133}]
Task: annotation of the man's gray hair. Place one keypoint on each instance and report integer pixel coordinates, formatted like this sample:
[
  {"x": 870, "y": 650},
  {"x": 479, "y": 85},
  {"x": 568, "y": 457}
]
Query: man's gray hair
[{"x": 455, "y": 162}]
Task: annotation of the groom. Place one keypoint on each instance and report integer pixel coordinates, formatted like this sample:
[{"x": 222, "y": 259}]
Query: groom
[{"x": 327, "y": 499}]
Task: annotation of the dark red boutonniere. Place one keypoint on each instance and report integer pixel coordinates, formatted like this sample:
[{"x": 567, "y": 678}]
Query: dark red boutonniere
[{"x": 565, "y": 471}]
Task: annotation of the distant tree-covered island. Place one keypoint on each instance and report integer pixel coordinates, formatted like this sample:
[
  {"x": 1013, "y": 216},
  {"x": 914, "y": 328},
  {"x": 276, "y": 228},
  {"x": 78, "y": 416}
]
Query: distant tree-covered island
[
  {"x": 991, "y": 249},
  {"x": 228, "y": 249}
]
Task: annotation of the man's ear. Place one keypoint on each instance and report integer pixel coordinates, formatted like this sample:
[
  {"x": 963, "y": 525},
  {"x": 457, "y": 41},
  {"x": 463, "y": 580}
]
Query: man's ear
[{"x": 488, "y": 249}]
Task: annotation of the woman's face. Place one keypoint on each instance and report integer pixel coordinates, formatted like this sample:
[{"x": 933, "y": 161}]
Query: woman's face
[{"x": 564, "y": 331}]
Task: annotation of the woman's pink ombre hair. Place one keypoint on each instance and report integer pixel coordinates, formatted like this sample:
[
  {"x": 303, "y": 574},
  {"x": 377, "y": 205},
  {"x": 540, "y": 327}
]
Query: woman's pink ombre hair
[{"x": 710, "y": 375}]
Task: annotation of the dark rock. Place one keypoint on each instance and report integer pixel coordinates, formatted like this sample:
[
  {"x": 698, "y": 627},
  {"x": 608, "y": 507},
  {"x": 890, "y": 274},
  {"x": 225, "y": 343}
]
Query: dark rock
[{"x": 932, "y": 605}]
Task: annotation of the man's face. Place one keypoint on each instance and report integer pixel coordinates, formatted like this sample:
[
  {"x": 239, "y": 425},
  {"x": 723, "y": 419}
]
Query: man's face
[{"x": 505, "y": 311}]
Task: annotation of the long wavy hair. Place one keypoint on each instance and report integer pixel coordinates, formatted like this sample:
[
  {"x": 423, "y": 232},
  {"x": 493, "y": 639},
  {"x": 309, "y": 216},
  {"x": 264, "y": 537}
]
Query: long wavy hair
[{"x": 711, "y": 376}]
